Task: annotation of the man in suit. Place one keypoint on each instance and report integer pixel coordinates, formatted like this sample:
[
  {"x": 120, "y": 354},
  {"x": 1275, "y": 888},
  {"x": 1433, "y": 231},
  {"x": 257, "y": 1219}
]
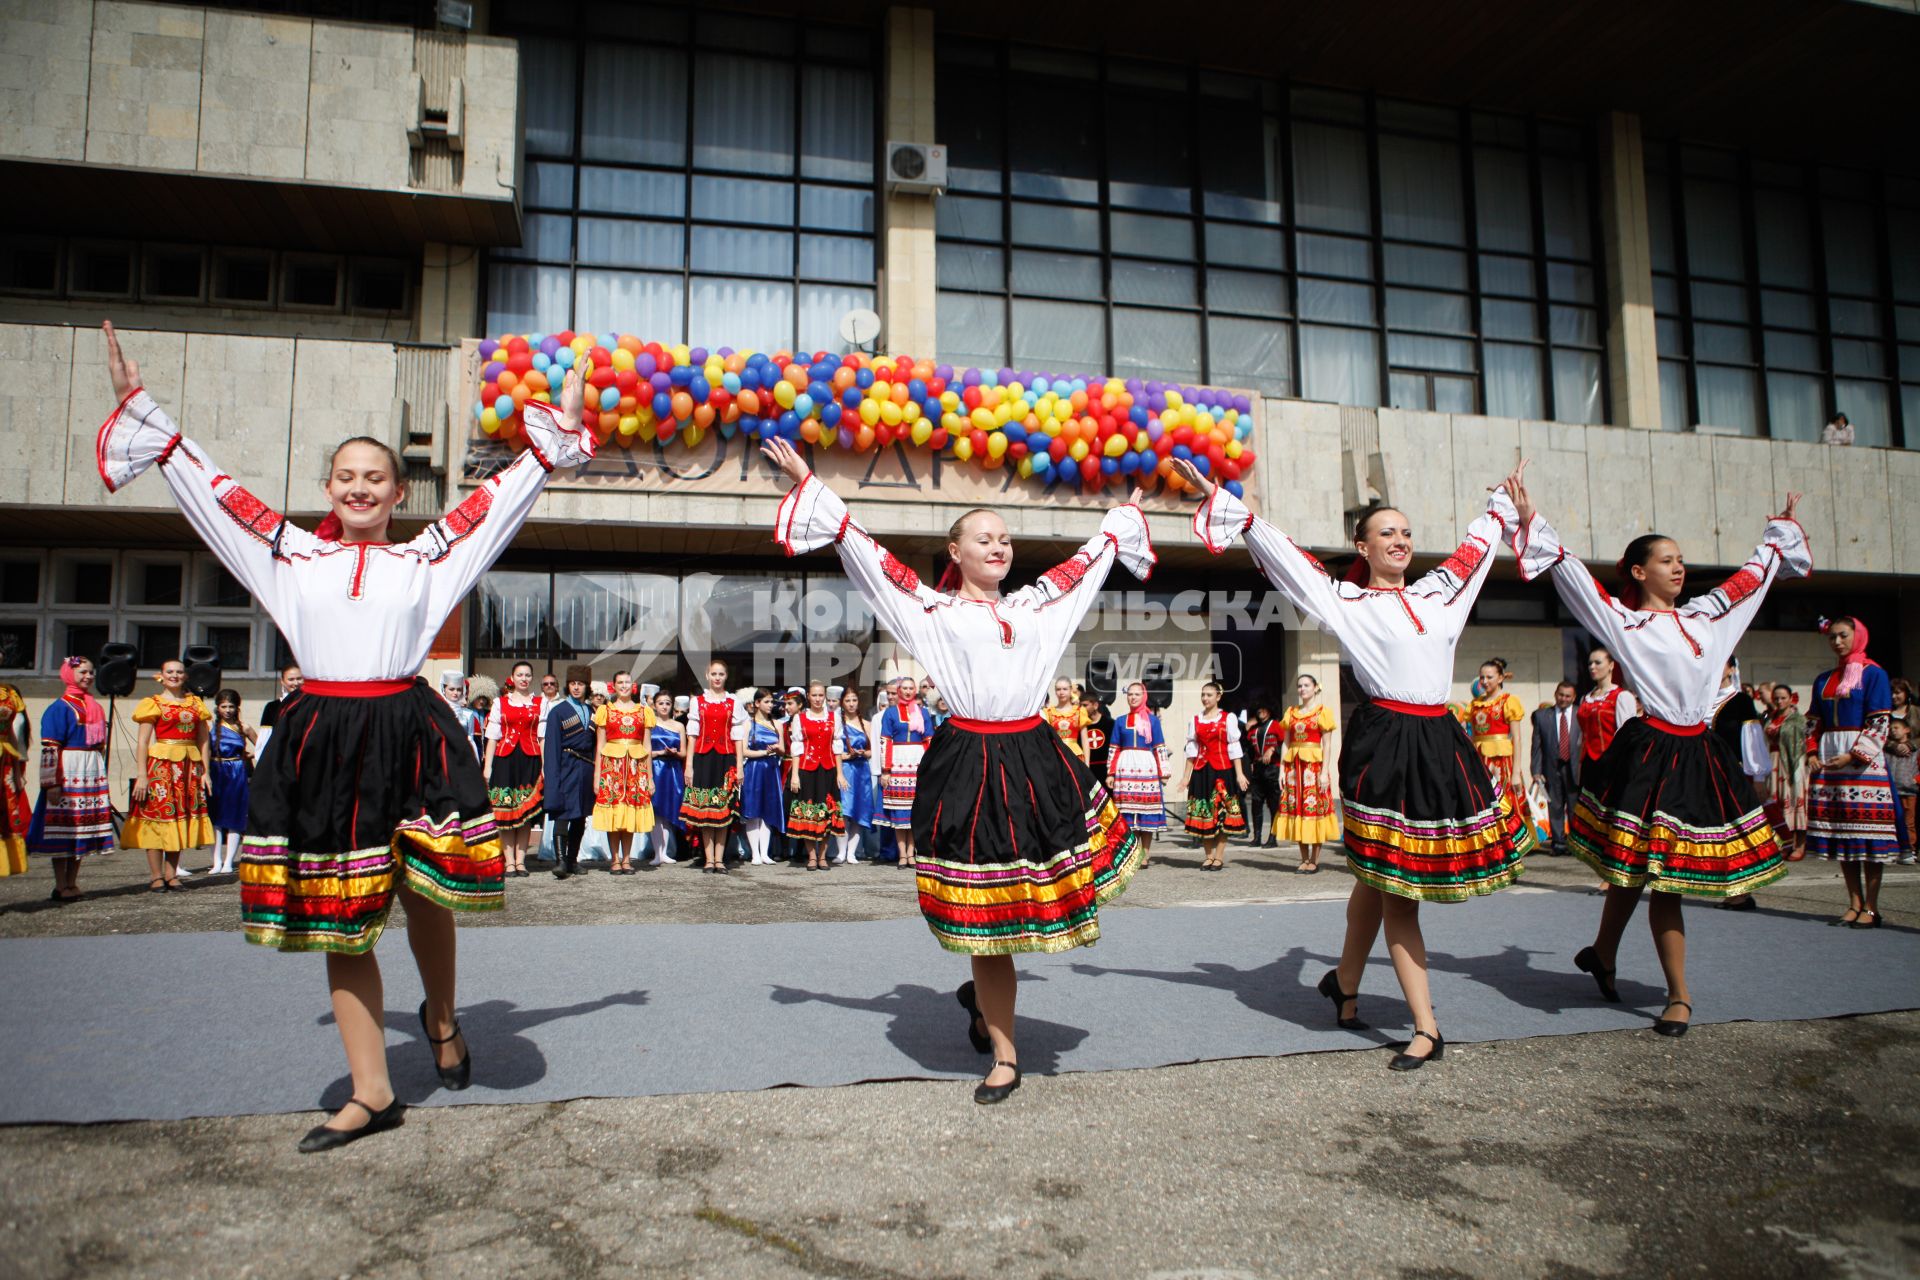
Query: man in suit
[{"x": 1556, "y": 759}]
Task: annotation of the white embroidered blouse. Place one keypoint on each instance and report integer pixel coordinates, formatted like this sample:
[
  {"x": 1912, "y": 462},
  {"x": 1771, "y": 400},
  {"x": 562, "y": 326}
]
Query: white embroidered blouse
[
  {"x": 991, "y": 660},
  {"x": 1400, "y": 641},
  {"x": 349, "y": 610}
]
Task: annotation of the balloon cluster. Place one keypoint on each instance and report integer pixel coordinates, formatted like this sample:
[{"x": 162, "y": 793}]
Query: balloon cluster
[{"x": 1083, "y": 432}]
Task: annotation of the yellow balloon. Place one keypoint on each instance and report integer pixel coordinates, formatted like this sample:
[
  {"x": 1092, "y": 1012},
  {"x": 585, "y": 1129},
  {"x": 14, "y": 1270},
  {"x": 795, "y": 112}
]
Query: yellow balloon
[
  {"x": 783, "y": 394},
  {"x": 909, "y": 412},
  {"x": 870, "y": 412},
  {"x": 1062, "y": 410},
  {"x": 963, "y": 448},
  {"x": 1173, "y": 400},
  {"x": 1077, "y": 450},
  {"x": 982, "y": 418},
  {"x": 629, "y": 424},
  {"x": 949, "y": 401},
  {"x": 1233, "y": 449},
  {"x": 622, "y": 358},
  {"x": 922, "y": 431},
  {"x": 1115, "y": 446},
  {"x": 996, "y": 444},
  {"x": 952, "y": 423},
  {"x": 889, "y": 412},
  {"x": 489, "y": 420},
  {"x": 543, "y": 397},
  {"x": 1026, "y": 467},
  {"x": 682, "y": 353},
  {"x": 1002, "y": 414}
]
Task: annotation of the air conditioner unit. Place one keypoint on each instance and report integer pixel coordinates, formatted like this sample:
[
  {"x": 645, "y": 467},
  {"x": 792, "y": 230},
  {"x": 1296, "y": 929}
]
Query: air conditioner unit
[{"x": 917, "y": 167}]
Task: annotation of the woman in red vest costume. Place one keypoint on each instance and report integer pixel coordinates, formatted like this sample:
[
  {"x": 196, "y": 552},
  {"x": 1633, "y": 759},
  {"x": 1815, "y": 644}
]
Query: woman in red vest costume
[
  {"x": 1214, "y": 779},
  {"x": 716, "y": 753},
  {"x": 516, "y": 737},
  {"x": 816, "y": 745},
  {"x": 1605, "y": 708},
  {"x": 367, "y": 790}
]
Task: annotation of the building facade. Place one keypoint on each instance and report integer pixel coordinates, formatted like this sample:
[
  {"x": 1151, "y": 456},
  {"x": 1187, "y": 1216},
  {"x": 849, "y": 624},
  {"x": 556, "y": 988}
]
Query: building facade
[{"x": 1415, "y": 253}]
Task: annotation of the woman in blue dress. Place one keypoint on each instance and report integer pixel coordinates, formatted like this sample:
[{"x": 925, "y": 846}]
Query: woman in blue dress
[
  {"x": 905, "y": 727},
  {"x": 669, "y": 776},
  {"x": 762, "y": 804},
  {"x": 229, "y": 772},
  {"x": 856, "y": 800}
]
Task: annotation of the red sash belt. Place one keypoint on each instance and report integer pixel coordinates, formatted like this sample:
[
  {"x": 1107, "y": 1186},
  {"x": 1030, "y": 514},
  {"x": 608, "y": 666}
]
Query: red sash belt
[
  {"x": 1678, "y": 730},
  {"x": 355, "y": 688},
  {"x": 1412, "y": 708},
  {"x": 994, "y": 726}
]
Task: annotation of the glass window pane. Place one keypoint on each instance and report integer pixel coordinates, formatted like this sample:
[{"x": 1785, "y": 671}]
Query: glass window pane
[
  {"x": 1781, "y": 236},
  {"x": 1793, "y": 351},
  {"x": 1417, "y": 117},
  {"x": 634, "y": 106},
  {"x": 1250, "y": 354},
  {"x": 842, "y": 258},
  {"x": 157, "y": 642},
  {"x": 1406, "y": 349},
  {"x": 547, "y": 236},
  {"x": 972, "y": 330},
  {"x": 615, "y": 613},
  {"x": 1729, "y": 398},
  {"x": 1436, "y": 268},
  {"x": 1241, "y": 161},
  {"x": 743, "y": 200},
  {"x": 970, "y": 119},
  {"x": 635, "y": 191},
  {"x": 1669, "y": 338},
  {"x": 546, "y": 94},
  {"x": 1854, "y": 318},
  {"x": 1660, "y": 222},
  {"x": 1341, "y": 366},
  {"x": 527, "y": 299},
  {"x": 1151, "y": 237},
  {"x": 1903, "y": 237},
  {"x": 1906, "y": 323},
  {"x": 1454, "y": 395},
  {"x": 1516, "y": 386},
  {"x": 1716, "y": 242},
  {"x": 1869, "y": 407},
  {"x": 1502, "y": 200},
  {"x": 1576, "y": 386},
  {"x": 742, "y": 115},
  {"x": 1794, "y": 403},
  {"x": 1792, "y": 310},
  {"x": 1509, "y": 319},
  {"x": 1853, "y": 257},
  {"x": 1577, "y": 326},
  {"x": 1910, "y": 365},
  {"x": 1565, "y": 208},
  {"x": 1567, "y": 283},
  {"x": 1156, "y": 344},
  {"x": 1335, "y": 256},
  {"x": 836, "y": 123},
  {"x": 1248, "y": 291},
  {"x": 1155, "y": 282},
  {"x": 1328, "y": 104},
  {"x": 1056, "y": 225},
  {"x": 214, "y": 587},
  {"x": 1420, "y": 190},
  {"x": 821, "y": 307},
  {"x": 1149, "y": 164},
  {"x": 1674, "y": 415},
  {"x": 752, "y": 252},
  {"x": 750, "y": 315},
  {"x": 838, "y": 208},
  {"x": 1236, "y": 246},
  {"x": 967, "y": 219},
  {"x": 1512, "y": 277},
  {"x": 1331, "y": 189},
  {"x": 966, "y": 266},
  {"x": 1868, "y": 359},
  {"x": 629, "y": 302},
  {"x": 1418, "y": 309},
  {"x": 1053, "y": 139},
  {"x": 1059, "y": 337},
  {"x": 610, "y": 242},
  {"x": 1910, "y": 411},
  {"x": 1325, "y": 300},
  {"x": 1056, "y": 275},
  {"x": 1408, "y": 391},
  {"x": 1721, "y": 342},
  {"x": 1666, "y": 296},
  {"x": 549, "y": 185}
]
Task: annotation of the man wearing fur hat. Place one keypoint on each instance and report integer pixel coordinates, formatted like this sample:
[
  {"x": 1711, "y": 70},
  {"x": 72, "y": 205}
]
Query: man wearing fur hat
[{"x": 569, "y": 770}]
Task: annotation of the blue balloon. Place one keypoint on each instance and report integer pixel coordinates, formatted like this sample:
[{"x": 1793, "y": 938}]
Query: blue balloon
[
  {"x": 479, "y": 409},
  {"x": 564, "y": 357},
  {"x": 820, "y": 391},
  {"x": 609, "y": 398},
  {"x": 1181, "y": 451},
  {"x": 1138, "y": 415},
  {"x": 1237, "y": 489},
  {"x": 503, "y": 407},
  {"x": 931, "y": 410},
  {"x": 731, "y": 381},
  {"x": 830, "y": 414},
  {"x": 750, "y": 378},
  {"x": 1201, "y": 463},
  {"x": 541, "y": 361},
  {"x": 662, "y": 405},
  {"x": 1129, "y": 462},
  {"x": 851, "y": 397},
  {"x": 699, "y": 389},
  {"x": 1110, "y": 466},
  {"x": 803, "y": 405},
  {"x": 917, "y": 390},
  {"x": 789, "y": 423},
  {"x": 1040, "y": 385},
  {"x": 820, "y": 371},
  {"x": 1015, "y": 433},
  {"x": 863, "y": 379},
  {"x": 682, "y": 375}
]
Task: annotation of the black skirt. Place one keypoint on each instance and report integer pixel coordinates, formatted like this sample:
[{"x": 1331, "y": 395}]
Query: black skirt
[
  {"x": 1673, "y": 812},
  {"x": 516, "y": 788},
  {"x": 1423, "y": 818},
  {"x": 1017, "y": 845},
  {"x": 712, "y": 801},
  {"x": 352, "y": 792},
  {"x": 813, "y": 812}
]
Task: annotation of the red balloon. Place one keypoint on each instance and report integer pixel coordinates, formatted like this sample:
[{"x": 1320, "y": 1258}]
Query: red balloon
[
  {"x": 721, "y": 399},
  {"x": 1230, "y": 469},
  {"x": 1183, "y": 435},
  {"x": 883, "y": 435},
  {"x": 1017, "y": 450},
  {"x": 602, "y": 377},
  {"x": 564, "y": 337},
  {"x": 520, "y": 362},
  {"x": 516, "y": 346},
  {"x": 970, "y": 397},
  {"x": 979, "y": 439},
  {"x": 1090, "y": 469},
  {"x": 936, "y": 386},
  {"x": 600, "y": 356},
  {"x": 938, "y": 440},
  {"x": 1163, "y": 446},
  {"x": 1058, "y": 449},
  {"x": 626, "y": 380}
]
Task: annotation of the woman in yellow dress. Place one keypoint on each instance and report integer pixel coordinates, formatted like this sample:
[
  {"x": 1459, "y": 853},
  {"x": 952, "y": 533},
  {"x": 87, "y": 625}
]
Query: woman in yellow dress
[
  {"x": 15, "y": 813},
  {"x": 1306, "y": 814},
  {"x": 170, "y": 802},
  {"x": 623, "y": 773},
  {"x": 1491, "y": 719},
  {"x": 1068, "y": 718}
]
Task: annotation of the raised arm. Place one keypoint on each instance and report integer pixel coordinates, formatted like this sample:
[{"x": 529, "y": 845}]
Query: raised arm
[
  {"x": 1299, "y": 577},
  {"x": 1064, "y": 594},
  {"x": 1457, "y": 582},
  {"x": 1783, "y": 553},
  {"x": 464, "y": 543},
  {"x": 1538, "y": 548}
]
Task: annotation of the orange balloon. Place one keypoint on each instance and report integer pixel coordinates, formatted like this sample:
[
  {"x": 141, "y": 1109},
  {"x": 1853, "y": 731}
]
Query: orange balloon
[
  {"x": 1079, "y": 401},
  {"x": 629, "y": 343},
  {"x": 810, "y": 431},
  {"x": 843, "y": 378},
  {"x": 797, "y": 375},
  {"x": 703, "y": 415},
  {"x": 682, "y": 406},
  {"x": 609, "y": 421},
  {"x": 863, "y": 438},
  {"x": 507, "y": 380},
  {"x": 749, "y": 401},
  {"x": 899, "y": 393},
  {"x": 1165, "y": 468}
]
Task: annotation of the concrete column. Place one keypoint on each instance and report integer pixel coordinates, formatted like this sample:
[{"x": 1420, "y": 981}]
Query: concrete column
[
  {"x": 907, "y": 288},
  {"x": 1633, "y": 363},
  {"x": 447, "y": 303}
]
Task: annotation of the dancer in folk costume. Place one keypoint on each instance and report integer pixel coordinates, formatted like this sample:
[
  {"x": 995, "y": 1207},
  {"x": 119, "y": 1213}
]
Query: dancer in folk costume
[
  {"x": 1493, "y": 721},
  {"x": 512, "y": 767},
  {"x": 716, "y": 741},
  {"x": 1137, "y": 770},
  {"x": 453, "y": 687},
  {"x": 1667, "y": 808},
  {"x": 816, "y": 744},
  {"x": 1424, "y": 821},
  {"x": 1853, "y": 815},
  {"x": 622, "y": 772},
  {"x": 1067, "y": 717},
  {"x": 16, "y": 815},
  {"x": 1017, "y": 844},
  {"x": 1604, "y": 708},
  {"x": 1214, "y": 778},
  {"x": 1786, "y": 731},
  {"x": 1306, "y": 782},
  {"x": 667, "y": 741},
  {"x": 570, "y": 759},
  {"x": 72, "y": 818},
  {"x": 763, "y": 795},
  {"x": 905, "y": 727},
  {"x": 169, "y": 814},
  {"x": 856, "y": 799},
  {"x": 367, "y": 792},
  {"x": 230, "y": 774}
]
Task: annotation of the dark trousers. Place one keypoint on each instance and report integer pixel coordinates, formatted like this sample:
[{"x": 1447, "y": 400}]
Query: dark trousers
[
  {"x": 1263, "y": 801},
  {"x": 567, "y": 835},
  {"x": 1560, "y": 796}
]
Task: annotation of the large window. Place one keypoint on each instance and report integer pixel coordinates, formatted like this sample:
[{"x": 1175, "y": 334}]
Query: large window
[
  {"x": 1784, "y": 294},
  {"x": 1156, "y": 222},
  {"x": 688, "y": 178}
]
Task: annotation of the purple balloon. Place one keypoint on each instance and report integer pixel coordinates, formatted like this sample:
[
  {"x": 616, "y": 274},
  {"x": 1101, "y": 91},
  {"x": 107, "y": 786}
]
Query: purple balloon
[
  {"x": 944, "y": 372},
  {"x": 1243, "y": 404},
  {"x": 1156, "y": 402},
  {"x": 645, "y": 365},
  {"x": 697, "y": 356},
  {"x": 549, "y": 345},
  {"x": 724, "y": 352},
  {"x": 1135, "y": 388},
  {"x": 661, "y": 382},
  {"x": 1155, "y": 430},
  {"x": 1006, "y": 375},
  {"x": 971, "y": 378},
  {"x": 493, "y": 370},
  {"x": 487, "y": 347}
]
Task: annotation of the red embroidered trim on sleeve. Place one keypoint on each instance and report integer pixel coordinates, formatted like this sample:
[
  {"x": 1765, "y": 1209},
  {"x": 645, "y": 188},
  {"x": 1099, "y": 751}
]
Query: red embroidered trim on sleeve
[
  {"x": 1066, "y": 576},
  {"x": 458, "y": 524},
  {"x": 1465, "y": 559},
  {"x": 898, "y": 574},
  {"x": 1305, "y": 554},
  {"x": 247, "y": 511},
  {"x": 1740, "y": 586}
]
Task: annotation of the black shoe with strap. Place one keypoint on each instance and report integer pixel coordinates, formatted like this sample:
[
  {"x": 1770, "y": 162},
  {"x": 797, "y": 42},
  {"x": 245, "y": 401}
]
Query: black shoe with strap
[
  {"x": 1330, "y": 988},
  {"x": 460, "y": 1074},
  {"x": 321, "y": 1138},
  {"x": 1861, "y": 923},
  {"x": 1668, "y": 1027},
  {"x": 1407, "y": 1062},
  {"x": 1588, "y": 961},
  {"x": 987, "y": 1094},
  {"x": 982, "y": 1042}
]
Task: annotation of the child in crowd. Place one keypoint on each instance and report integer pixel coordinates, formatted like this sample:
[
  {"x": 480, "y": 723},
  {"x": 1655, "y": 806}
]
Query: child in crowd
[{"x": 1902, "y": 759}]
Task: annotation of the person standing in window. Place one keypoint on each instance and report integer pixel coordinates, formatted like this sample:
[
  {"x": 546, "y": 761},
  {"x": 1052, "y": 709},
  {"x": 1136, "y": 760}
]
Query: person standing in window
[
  {"x": 1837, "y": 431},
  {"x": 570, "y": 761},
  {"x": 229, "y": 771},
  {"x": 516, "y": 730},
  {"x": 72, "y": 818},
  {"x": 16, "y": 815},
  {"x": 1557, "y": 756},
  {"x": 170, "y": 801}
]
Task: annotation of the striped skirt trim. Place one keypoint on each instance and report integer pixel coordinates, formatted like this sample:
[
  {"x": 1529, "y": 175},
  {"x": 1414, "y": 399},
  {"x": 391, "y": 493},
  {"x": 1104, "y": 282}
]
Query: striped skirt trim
[
  {"x": 1445, "y": 861},
  {"x": 80, "y": 822},
  {"x": 1667, "y": 855},
  {"x": 1852, "y": 818}
]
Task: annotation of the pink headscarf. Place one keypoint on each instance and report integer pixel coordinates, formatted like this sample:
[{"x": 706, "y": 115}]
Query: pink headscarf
[
  {"x": 84, "y": 704},
  {"x": 907, "y": 707},
  {"x": 1856, "y": 661}
]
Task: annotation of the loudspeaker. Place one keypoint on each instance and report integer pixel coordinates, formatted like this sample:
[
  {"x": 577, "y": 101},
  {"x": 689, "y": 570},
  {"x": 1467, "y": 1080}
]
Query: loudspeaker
[
  {"x": 1101, "y": 679},
  {"x": 114, "y": 671},
  {"x": 203, "y": 669}
]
